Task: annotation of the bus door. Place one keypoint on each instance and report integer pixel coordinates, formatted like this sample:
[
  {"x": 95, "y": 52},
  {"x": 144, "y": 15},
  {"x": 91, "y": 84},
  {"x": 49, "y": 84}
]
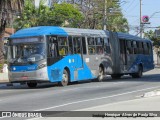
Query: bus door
[
  {"x": 52, "y": 53},
  {"x": 115, "y": 52},
  {"x": 123, "y": 54},
  {"x": 77, "y": 49}
]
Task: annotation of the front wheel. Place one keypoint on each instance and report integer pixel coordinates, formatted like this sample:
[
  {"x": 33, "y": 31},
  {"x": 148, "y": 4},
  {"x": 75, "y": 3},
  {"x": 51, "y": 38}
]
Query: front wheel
[
  {"x": 32, "y": 84},
  {"x": 65, "y": 78}
]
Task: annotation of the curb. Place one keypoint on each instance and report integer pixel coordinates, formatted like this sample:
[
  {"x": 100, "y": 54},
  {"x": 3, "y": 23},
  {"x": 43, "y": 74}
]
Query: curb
[{"x": 152, "y": 93}]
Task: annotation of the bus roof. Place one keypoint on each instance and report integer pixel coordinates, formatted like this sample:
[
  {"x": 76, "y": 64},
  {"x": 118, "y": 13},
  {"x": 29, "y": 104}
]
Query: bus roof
[
  {"x": 39, "y": 31},
  {"x": 130, "y": 37},
  {"x": 55, "y": 30}
]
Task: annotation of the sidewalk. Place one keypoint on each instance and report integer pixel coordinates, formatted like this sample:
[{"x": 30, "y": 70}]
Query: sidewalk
[
  {"x": 149, "y": 102},
  {"x": 4, "y": 78}
]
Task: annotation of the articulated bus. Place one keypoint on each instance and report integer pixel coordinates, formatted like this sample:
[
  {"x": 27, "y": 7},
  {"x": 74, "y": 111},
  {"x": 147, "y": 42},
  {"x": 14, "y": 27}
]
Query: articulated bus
[{"x": 64, "y": 55}]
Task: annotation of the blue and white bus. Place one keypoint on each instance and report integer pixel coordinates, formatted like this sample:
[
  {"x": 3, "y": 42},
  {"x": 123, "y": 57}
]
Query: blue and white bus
[{"x": 64, "y": 55}]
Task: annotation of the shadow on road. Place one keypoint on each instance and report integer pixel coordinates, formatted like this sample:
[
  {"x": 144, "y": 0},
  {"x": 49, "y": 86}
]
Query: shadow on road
[{"x": 126, "y": 78}]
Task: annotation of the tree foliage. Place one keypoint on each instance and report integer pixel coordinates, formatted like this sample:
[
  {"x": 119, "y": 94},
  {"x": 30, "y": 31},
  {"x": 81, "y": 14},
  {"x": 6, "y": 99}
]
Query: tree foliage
[
  {"x": 56, "y": 15},
  {"x": 75, "y": 13},
  {"x": 93, "y": 12},
  {"x": 8, "y": 9},
  {"x": 151, "y": 35}
]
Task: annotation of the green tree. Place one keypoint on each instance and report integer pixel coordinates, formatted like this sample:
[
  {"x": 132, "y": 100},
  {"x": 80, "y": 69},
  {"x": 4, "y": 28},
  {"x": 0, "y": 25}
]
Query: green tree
[
  {"x": 58, "y": 15},
  {"x": 8, "y": 9},
  {"x": 93, "y": 11},
  {"x": 151, "y": 35},
  {"x": 67, "y": 15},
  {"x": 33, "y": 16}
]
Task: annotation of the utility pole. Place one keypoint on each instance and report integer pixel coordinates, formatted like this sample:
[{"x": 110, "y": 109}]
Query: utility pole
[
  {"x": 105, "y": 15},
  {"x": 141, "y": 29}
]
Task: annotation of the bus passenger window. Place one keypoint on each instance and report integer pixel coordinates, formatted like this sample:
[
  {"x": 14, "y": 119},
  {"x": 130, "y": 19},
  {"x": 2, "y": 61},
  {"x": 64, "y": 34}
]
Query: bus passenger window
[
  {"x": 107, "y": 46},
  {"x": 99, "y": 45},
  {"x": 129, "y": 47},
  {"x": 77, "y": 44},
  {"x": 146, "y": 48},
  {"x": 135, "y": 47},
  {"x": 70, "y": 45},
  {"x": 84, "y": 45},
  {"x": 63, "y": 46},
  {"x": 91, "y": 46}
]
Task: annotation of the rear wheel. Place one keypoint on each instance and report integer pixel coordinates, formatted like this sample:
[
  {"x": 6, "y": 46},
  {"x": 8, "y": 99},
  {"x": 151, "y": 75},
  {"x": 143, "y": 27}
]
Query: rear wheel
[
  {"x": 65, "y": 78},
  {"x": 139, "y": 73},
  {"x": 32, "y": 84},
  {"x": 101, "y": 74}
]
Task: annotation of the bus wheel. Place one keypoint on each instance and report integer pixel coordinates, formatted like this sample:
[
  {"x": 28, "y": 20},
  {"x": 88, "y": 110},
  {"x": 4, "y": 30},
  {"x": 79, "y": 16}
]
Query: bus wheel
[
  {"x": 32, "y": 84},
  {"x": 101, "y": 74},
  {"x": 65, "y": 78},
  {"x": 139, "y": 73},
  {"x": 117, "y": 76}
]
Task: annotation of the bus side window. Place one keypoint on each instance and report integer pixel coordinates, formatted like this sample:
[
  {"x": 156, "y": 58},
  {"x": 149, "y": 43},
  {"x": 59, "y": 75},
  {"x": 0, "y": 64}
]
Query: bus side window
[
  {"x": 84, "y": 45},
  {"x": 129, "y": 47},
  {"x": 99, "y": 45},
  {"x": 107, "y": 48},
  {"x": 146, "y": 48},
  {"x": 135, "y": 47},
  {"x": 140, "y": 44},
  {"x": 77, "y": 45},
  {"x": 63, "y": 45},
  {"x": 91, "y": 46},
  {"x": 70, "y": 45}
]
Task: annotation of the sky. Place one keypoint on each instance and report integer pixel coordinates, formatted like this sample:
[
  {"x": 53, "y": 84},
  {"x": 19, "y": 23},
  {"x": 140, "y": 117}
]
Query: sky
[{"x": 131, "y": 11}]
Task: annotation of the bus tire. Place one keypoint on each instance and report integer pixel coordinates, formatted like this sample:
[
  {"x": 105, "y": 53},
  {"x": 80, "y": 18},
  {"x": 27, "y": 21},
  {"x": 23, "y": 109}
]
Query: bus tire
[
  {"x": 65, "y": 78},
  {"x": 32, "y": 84},
  {"x": 116, "y": 76},
  {"x": 139, "y": 73},
  {"x": 101, "y": 74}
]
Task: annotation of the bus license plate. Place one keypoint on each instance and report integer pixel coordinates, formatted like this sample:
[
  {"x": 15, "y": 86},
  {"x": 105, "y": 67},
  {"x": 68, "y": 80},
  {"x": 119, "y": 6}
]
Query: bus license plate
[{"x": 24, "y": 77}]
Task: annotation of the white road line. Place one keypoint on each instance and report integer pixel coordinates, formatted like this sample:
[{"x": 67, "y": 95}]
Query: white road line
[
  {"x": 86, "y": 109},
  {"x": 93, "y": 99}
]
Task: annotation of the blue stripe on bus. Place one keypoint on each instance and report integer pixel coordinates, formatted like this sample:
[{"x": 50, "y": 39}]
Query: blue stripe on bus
[
  {"x": 24, "y": 68},
  {"x": 39, "y": 31},
  {"x": 73, "y": 63},
  {"x": 145, "y": 60}
]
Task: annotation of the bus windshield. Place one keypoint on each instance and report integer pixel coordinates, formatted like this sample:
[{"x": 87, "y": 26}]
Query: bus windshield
[{"x": 22, "y": 53}]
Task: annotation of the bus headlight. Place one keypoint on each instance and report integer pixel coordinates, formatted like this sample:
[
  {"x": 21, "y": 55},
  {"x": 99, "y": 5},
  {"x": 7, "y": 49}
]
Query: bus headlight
[{"x": 42, "y": 65}]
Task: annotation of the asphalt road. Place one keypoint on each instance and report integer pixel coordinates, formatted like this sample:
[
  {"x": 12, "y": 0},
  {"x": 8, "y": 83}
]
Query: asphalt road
[{"x": 50, "y": 97}]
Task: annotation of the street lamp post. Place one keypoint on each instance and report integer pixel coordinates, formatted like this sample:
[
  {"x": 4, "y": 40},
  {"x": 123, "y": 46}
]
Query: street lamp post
[{"x": 105, "y": 15}]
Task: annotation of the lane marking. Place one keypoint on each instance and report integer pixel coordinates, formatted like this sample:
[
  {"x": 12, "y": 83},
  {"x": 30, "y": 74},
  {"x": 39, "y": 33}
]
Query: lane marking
[
  {"x": 93, "y": 99},
  {"x": 105, "y": 105}
]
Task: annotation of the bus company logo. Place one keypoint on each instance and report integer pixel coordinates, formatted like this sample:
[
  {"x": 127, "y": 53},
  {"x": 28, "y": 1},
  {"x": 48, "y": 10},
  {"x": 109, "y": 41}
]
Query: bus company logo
[{"x": 6, "y": 114}]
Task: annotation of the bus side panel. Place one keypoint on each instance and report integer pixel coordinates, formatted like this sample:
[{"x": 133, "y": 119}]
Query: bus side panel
[
  {"x": 93, "y": 62},
  {"x": 77, "y": 72},
  {"x": 145, "y": 60}
]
